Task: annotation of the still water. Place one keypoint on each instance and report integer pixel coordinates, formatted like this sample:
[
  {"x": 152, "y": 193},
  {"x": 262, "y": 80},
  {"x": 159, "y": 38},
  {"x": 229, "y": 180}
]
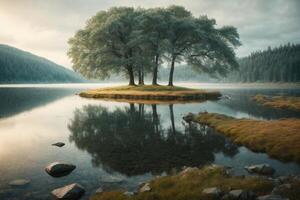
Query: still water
[{"x": 117, "y": 145}]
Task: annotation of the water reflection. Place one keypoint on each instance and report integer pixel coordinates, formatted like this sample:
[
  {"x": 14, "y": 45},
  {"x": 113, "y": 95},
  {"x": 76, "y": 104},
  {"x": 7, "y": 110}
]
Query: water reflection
[
  {"x": 17, "y": 100},
  {"x": 132, "y": 140}
]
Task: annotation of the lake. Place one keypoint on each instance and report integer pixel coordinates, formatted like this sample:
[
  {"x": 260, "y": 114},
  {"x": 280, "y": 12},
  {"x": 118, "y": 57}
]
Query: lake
[{"x": 115, "y": 144}]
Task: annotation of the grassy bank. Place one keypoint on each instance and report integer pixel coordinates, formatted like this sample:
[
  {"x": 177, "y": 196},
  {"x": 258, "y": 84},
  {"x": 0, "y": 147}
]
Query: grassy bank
[
  {"x": 280, "y": 102},
  {"x": 278, "y": 138},
  {"x": 189, "y": 186},
  {"x": 150, "y": 92}
]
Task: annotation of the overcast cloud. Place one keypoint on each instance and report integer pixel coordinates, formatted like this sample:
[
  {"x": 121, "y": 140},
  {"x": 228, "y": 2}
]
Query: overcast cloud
[{"x": 44, "y": 27}]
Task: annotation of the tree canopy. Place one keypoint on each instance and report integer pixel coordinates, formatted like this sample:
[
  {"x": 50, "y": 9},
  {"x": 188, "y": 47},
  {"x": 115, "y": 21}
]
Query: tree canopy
[{"x": 135, "y": 42}]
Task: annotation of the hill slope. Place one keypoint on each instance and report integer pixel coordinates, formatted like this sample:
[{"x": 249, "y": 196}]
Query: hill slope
[{"x": 17, "y": 66}]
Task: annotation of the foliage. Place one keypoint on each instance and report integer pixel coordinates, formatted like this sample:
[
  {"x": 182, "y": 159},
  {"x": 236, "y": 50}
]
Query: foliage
[
  {"x": 137, "y": 41},
  {"x": 17, "y": 66}
]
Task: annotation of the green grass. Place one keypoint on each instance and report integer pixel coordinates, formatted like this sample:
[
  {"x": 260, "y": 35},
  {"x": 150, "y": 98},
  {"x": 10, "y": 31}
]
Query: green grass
[
  {"x": 189, "y": 186},
  {"x": 278, "y": 138}
]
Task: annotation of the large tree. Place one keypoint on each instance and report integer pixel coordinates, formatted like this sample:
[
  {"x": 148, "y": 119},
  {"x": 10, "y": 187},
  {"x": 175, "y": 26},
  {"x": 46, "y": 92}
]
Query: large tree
[
  {"x": 153, "y": 34},
  {"x": 107, "y": 44},
  {"x": 199, "y": 43}
]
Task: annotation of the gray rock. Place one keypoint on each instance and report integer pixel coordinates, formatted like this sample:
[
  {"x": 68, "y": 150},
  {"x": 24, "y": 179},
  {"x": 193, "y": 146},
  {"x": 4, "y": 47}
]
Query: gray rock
[
  {"x": 145, "y": 188},
  {"x": 99, "y": 190},
  {"x": 263, "y": 169},
  {"x": 189, "y": 117},
  {"x": 187, "y": 170},
  {"x": 72, "y": 192},
  {"x": 59, "y": 144},
  {"x": 214, "y": 191},
  {"x": 58, "y": 169},
  {"x": 278, "y": 189},
  {"x": 271, "y": 197},
  {"x": 19, "y": 182},
  {"x": 111, "y": 179},
  {"x": 241, "y": 195},
  {"x": 129, "y": 194}
]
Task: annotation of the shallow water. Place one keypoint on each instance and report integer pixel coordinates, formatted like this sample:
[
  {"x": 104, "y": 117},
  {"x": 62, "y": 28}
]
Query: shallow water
[{"x": 117, "y": 144}]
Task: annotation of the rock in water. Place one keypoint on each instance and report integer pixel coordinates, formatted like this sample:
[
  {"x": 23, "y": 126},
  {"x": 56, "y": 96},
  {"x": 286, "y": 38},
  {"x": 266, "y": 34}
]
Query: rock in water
[
  {"x": 71, "y": 192},
  {"x": 19, "y": 182},
  {"x": 263, "y": 169},
  {"x": 213, "y": 191},
  {"x": 59, "y": 144},
  {"x": 58, "y": 169},
  {"x": 241, "y": 195}
]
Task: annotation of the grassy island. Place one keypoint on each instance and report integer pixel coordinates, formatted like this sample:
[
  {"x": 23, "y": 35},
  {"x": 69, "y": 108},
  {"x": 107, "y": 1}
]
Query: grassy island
[
  {"x": 278, "y": 138},
  {"x": 281, "y": 102},
  {"x": 151, "y": 93}
]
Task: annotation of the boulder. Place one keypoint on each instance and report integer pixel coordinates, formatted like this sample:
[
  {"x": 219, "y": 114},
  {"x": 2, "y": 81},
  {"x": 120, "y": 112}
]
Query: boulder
[
  {"x": 241, "y": 195},
  {"x": 99, "y": 190},
  {"x": 271, "y": 197},
  {"x": 128, "y": 193},
  {"x": 71, "y": 192},
  {"x": 263, "y": 169},
  {"x": 59, "y": 144},
  {"x": 58, "y": 169},
  {"x": 189, "y": 117},
  {"x": 278, "y": 189},
  {"x": 19, "y": 182},
  {"x": 145, "y": 188},
  {"x": 213, "y": 191}
]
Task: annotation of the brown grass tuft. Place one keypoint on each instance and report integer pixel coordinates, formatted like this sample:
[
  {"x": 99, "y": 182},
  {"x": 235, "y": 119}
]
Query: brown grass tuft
[
  {"x": 281, "y": 102},
  {"x": 278, "y": 138}
]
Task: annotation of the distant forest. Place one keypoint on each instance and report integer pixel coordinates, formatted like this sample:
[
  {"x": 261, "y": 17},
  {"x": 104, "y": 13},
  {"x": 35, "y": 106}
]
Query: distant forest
[
  {"x": 279, "y": 64},
  {"x": 17, "y": 66}
]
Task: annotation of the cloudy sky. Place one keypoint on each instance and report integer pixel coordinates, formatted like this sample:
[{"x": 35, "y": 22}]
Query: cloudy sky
[{"x": 43, "y": 27}]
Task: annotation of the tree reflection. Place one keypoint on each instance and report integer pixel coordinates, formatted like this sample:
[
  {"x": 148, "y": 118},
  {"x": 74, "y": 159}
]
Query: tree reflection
[{"x": 132, "y": 141}]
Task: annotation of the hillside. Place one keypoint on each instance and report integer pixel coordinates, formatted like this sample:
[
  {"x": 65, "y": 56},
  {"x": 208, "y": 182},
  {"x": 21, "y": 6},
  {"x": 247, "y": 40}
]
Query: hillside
[{"x": 17, "y": 66}]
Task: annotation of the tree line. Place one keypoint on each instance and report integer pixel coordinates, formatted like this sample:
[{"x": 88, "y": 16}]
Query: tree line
[
  {"x": 278, "y": 64},
  {"x": 136, "y": 42}
]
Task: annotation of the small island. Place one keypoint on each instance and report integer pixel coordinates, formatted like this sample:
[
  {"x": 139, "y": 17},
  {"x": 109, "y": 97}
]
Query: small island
[{"x": 152, "y": 94}]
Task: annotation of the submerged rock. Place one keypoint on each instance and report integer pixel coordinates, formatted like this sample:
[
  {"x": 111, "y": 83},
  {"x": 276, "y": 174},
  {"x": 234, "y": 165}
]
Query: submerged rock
[
  {"x": 58, "y": 169},
  {"x": 263, "y": 169},
  {"x": 59, "y": 144},
  {"x": 111, "y": 179},
  {"x": 214, "y": 191},
  {"x": 272, "y": 197},
  {"x": 145, "y": 188},
  {"x": 72, "y": 192},
  {"x": 19, "y": 182}
]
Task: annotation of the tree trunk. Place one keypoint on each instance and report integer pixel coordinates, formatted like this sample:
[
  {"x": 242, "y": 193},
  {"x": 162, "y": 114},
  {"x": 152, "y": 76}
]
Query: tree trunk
[
  {"x": 141, "y": 77},
  {"x": 172, "y": 71},
  {"x": 131, "y": 75},
  {"x": 155, "y": 71}
]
